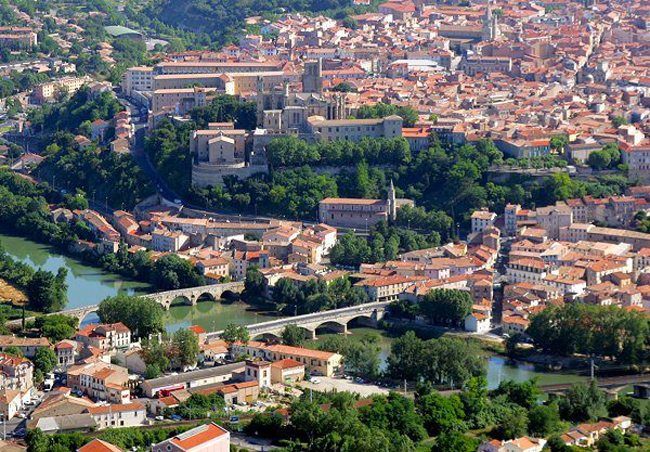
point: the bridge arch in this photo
(179, 300)
(230, 295)
(333, 326)
(362, 319)
(206, 296)
(266, 337)
(88, 316)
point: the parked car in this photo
(160, 418)
(20, 433)
(175, 417)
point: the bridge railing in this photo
(307, 318)
(206, 288)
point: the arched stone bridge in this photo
(336, 319)
(191, 295)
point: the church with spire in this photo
(490, 30)
(361, 213)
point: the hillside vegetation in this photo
(223, 18)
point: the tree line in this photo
(607, 332)
(312, 296)
(46, 291)
(337, 421)
(292, 152)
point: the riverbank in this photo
(9, 293)
(499, 368)
(87, 284)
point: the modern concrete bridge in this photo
(336, 319)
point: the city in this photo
(332, 225)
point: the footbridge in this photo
(336, 320)
(191, 295)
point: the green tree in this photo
(558, 142)
(294, 336)
(173, 272)
(154, 354)
(186, 347)
(393, 412)
(544, 420)
(44, 359)
(14, 351)
(582, 403)
(618, 121)
(46, 292)
(524, 394)
(254, 284)
(454, 441)
(448, 306)
(514, 425)
(56, 327)
(599, 160)
(143, 316)
(441, 414)
(235, 333)
(406, 357)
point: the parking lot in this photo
(341, 384)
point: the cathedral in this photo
(279, 110)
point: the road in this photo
(137, 150)
(142, 159)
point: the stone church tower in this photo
(490, 24)
(391, 202)
(312, 78)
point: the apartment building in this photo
(526, 270)
(205, 438)
(481, 220)
(172, 241)
(352, 212)
(98, 225)
(209, 67)
(46, 92)
(66, 352)
(180, 100)
(107, 336)
(18, 38)
(132, 414)
(484, 64)
(27, 345)
(15, 373)
(220, 143)
(287, 371)
(100, 381)
(387, 288)
(522, 444)
(638, 160)
(234, 84)
(589, 232)
(316, 362)
(355, 129)
(139, 78)
(552, 218)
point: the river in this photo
(89, 285)
(498, 368)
